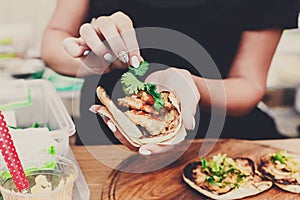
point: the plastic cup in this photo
(56, 177)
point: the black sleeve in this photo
(262, 14)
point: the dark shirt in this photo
(216, 25)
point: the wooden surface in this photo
(96, 173)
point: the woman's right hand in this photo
(108, 42)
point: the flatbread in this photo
(248, 188)
(282, 179)
(289, 188)
(130, 131)
(245, 190)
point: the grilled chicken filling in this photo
(281, 168)
(221, 174)
(141, 112)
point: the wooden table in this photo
(96, 172)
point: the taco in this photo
(283, 169)
(222, 177)
(151, 116)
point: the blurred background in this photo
(21, 28)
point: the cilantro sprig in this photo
(131, 85)
(158, 101)
(141, 70)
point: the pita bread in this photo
(281, 178)
(250, 187)
(130, 131)
(289, 188)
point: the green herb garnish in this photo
(158, 101)
(280, 156)
(131, 85)
(204, 163)
(210, 180)
(219, 168)
(141, 70)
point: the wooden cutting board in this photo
(167, 182)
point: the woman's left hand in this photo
(180, 82)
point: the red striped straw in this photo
(11, 157)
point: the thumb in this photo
(188, 117)
(149, 149)
(74, 46)
(154, 77)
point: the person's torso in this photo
(210, 23)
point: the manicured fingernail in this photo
(123, 56)
(135, 62)
(108, 57)
(111, 126)
(86, 52)
(92, 110)
(145, 152)
(93, 20)
(193, 123)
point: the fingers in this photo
(92, 40)
(125, 27)
(149, 149)
(108, 37)
(185, 87)
(108, 29)
(75, 46)
(181, 83)
(112, 127)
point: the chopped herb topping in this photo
(158, 101)
(280, 156)
(131, 85)
(222, 171)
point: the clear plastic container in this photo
(45, 107)
(53, 182)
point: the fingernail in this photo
(135, 62)
(86, 52)
(111, 126)
(93, 20)
(92, 109)
(193, 123)
(145, 152)
(123, 56)
(108, 57)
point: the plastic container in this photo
(53, 182)
(44, 106)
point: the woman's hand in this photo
(182, 84)
(147, 149)
(111, 40)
